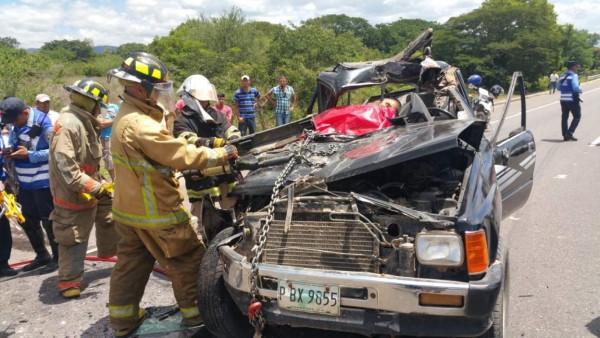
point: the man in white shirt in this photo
(42, 103)
(553, 82)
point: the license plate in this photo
(309, 297)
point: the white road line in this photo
(540, 107)
(595, 143)
(560, 177)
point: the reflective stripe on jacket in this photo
(568, 84)
(32, 172)
(75, 154)
(145, 155)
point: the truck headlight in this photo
(439, 248)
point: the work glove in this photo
(232, 152)
(104, 191)
(190, 137)
(210, 142)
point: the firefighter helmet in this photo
(90, 89)
(141, 67)
(199, 87)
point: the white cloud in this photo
(582, 14)
(34, 22)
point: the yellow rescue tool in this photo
(10, 207)
(110, 188)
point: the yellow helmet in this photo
(90, 89)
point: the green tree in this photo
(9, 42)
(391, 38)
(302, 52)
(500, 37)
(21, 73)
(577, 45)
(596, 64)
(127, 48)
(68, 50)
(341, 23)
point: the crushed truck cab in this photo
(390, 230)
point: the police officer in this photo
(568, 85)
(29, 143)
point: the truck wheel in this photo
(500, 313)
(218, 310)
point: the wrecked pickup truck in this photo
(376, 220)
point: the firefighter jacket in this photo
(145, 155)
(190, 122)
(75, 154)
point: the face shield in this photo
(164, 95)
(192, 103)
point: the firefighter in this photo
(201, 125)
(147, 206)
(81, 196)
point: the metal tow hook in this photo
(253, 312)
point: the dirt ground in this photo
(32, 307)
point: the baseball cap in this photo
(42, 98)
(572, 63)
(11, 108)
(245, 77)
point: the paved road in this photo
(553, 243)
(554, 239)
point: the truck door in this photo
(515, 155)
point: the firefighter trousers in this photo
(72, 231)
(177, 249)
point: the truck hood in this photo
(370, 152)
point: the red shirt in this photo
(226, 110)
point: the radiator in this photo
(314, 241)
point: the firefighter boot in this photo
(36, 238)
(128, 331)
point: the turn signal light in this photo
(476, 252)
(432, 299)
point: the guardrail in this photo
(593, 77)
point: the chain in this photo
(255, 315)
(333, 148)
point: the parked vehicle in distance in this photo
(483, 103)
(380, 215)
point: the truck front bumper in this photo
(391, 305)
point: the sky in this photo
(115, 22)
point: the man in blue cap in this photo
(29, 143)
(568, 85)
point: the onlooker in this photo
(5, 234)
(42, 103)
(107, 115)
(553, 81)
(81, 196)
(569, 100)
(204, 126)
(245, 99)
(147, 206)
(284, 102)
(223, 108)
(29, 143)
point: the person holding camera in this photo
(29, 143)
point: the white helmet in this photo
(199, 87)
(194, 89)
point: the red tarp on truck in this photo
(354, 120)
